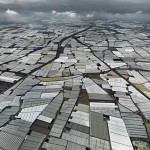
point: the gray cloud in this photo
(76, 9)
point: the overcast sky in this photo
(74, 9)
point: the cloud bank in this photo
(73, 10)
